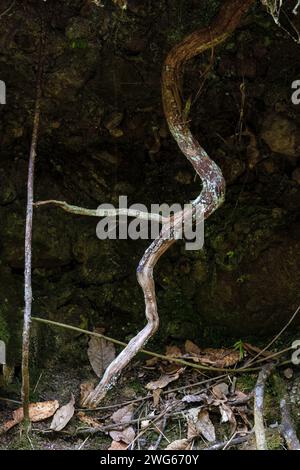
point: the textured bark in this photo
(260, 435)
(213, 184)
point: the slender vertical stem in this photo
(259, 391)
(28, 238)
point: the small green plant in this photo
(239, 346)
(79, 44)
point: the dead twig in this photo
(161, 434)
(259, 429)
(7, 10)
(275, 338)
(287, 427)
(231, 442)
(28, 237)
(150, 425)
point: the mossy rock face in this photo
(104, 62)
(10, 316)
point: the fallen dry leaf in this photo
(101, 353)
(180, 444)
(117, 446)
(173, 351)
(239, 395)
(156, 396)
(164, 380)
(199, 423)
(151, 362)
(123, 415)
(37, 412)
(63, 415)
(195, 398)
(127, 435)
(92, 423)
(222, 357)
(227, 416)
(191, 348)
(220, 390)
(85, 389)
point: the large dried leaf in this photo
(164, 380)
(37, 412)
(63, 415)
(127, 435)
(199, 423)
(205, 426)
(101, 353)
(123, 415)
(180, 444)
(118, 446)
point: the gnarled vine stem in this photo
(213, 183)
(213, 189)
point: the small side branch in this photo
(104, 212)
(259, 429)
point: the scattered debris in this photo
(222, 357)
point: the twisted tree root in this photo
(213, 183)
(213, 190)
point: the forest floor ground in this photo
(155, 405)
